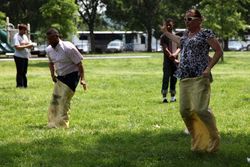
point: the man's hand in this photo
(54, 79)
(84, 84)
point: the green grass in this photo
(120, 121)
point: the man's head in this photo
(53, 37)
(169, 23)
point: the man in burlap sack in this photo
(66, 68)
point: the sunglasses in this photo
(190, 18)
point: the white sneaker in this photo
(164, 100)
(173, 99)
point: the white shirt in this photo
(65, 57)
(18, 40)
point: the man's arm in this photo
(82, 78)
(52, 71)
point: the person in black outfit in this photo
(170, 62)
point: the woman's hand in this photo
(206, 72)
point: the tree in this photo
(136, 15)
(147, 14)
(89, 11)
(60, 14)
(176, 10)
(224, 17)
(25, 11)
(2, 20)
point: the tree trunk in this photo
(149, 40)
(226, 45)
(222, 44)
(92, 39)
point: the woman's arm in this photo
(218, 52)
(171, 36)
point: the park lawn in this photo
(120, 121)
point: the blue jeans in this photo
(21, 71)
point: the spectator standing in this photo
(170, 62)
(22, 47)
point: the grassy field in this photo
(120, 121)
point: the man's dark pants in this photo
(21, 71)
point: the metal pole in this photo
(7, 29)
(28, 25)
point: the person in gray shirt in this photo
(22, 47)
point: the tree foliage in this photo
(177, 9)
(136, 14)
(60, 14)
(147, 15)
(24, 11)
(227, 18)
(2, 20)
(89, 11)
(224, 17)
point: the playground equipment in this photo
(6, 38)
(4, 45)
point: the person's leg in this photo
(206, 116)
(25, 68)
(186, 104)
(19, 80)
(194, 101)
(165, 81)
(63, 92)
(59, 108)
(173, 81)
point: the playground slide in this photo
(4, 45)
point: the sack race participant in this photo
(194, 72)
(66, 70)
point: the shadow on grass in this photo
(123, 149)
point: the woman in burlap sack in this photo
(194, 72)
